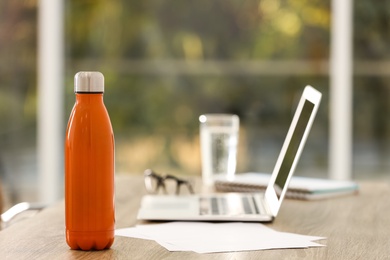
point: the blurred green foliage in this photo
(103, 35)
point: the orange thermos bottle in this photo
(89, 168)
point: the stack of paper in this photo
(204, 237)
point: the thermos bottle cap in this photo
(89, 81)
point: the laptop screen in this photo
(292, 149)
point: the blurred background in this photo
(167, 62)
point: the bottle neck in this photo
(88, 93)
(89, 96)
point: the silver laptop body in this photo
(262, 207)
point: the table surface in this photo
(356, 227)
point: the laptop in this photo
(261, 207)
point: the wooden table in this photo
(356, 227)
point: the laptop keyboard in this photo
(218, 206)
(229, 206)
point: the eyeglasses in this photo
(168, 183)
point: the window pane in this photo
(371, 89)
(18, 37)
(168, 62)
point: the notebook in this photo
(262, 207)
(304, 188)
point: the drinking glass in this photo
(218, 141)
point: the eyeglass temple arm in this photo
(180, 182)
(190, 188)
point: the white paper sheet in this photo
(202, 237)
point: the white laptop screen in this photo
(292, 150)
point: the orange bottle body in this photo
(89, 175)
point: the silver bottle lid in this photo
(89, 81)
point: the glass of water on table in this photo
(218, 141)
